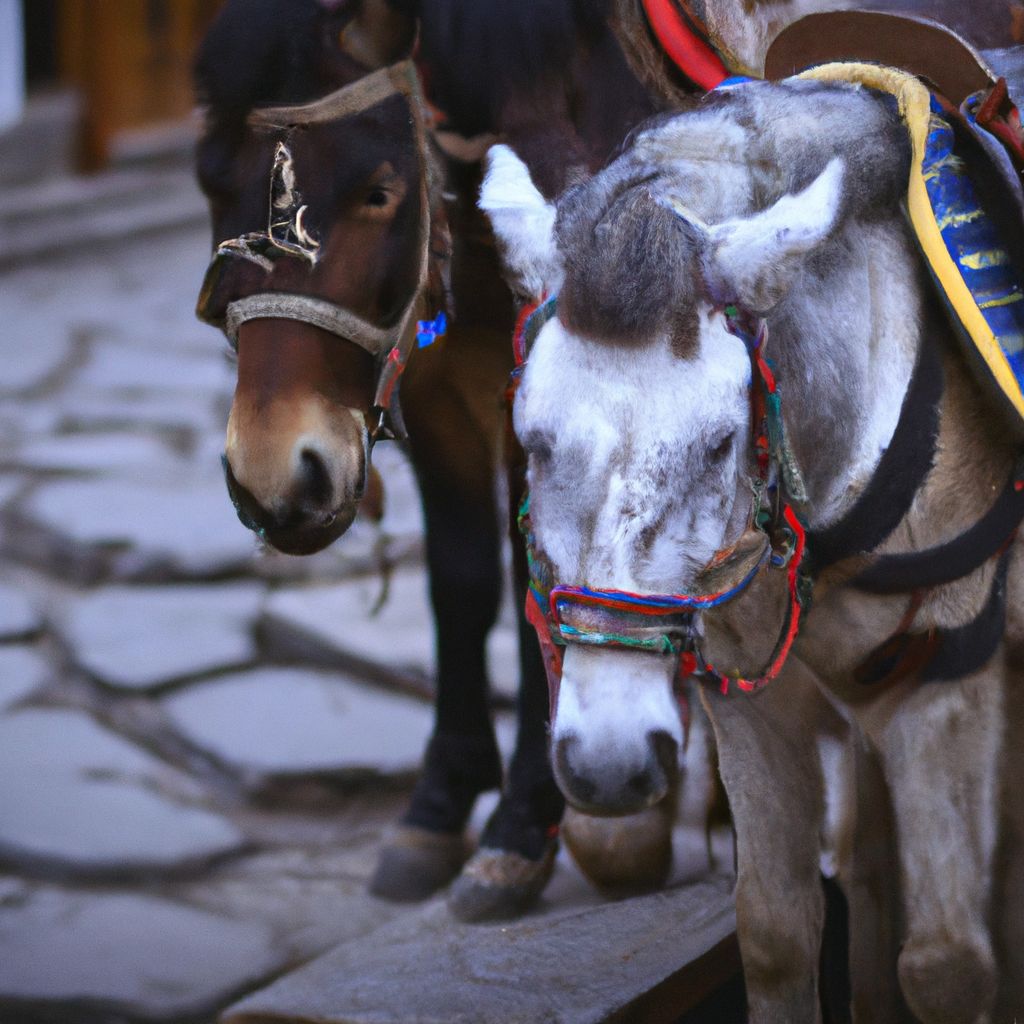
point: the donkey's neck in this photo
(845, 342)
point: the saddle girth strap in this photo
(896, 574)
(898, 477)
(940, 655)
(964, 650)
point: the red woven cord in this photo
(691, 54)
(393, 369)
(550, 652)
(518, 345)
(770, 673)
(998, 115)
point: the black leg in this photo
(462, 758)
(531, 805)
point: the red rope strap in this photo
(792, 626)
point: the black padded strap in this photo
(896, 574)
(899, 475)
(968, 648)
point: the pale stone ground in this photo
(201, 743)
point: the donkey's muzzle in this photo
(618, 784)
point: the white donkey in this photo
(774, 209)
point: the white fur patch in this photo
(610, 701)
(523, 222)
(616, 437)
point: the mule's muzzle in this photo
(618, 785)
(305, 524)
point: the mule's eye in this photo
(377, 197)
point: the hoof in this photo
(622, 856)
(947, 983)
(496, 884)
(414, 863)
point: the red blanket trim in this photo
(691, 54)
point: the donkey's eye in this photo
(378, 197)
(722, 448)
(537, 446)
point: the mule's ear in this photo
(378, 35)
(752, 261)
(523, 222)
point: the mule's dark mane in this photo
(260, 51)
(478, 52)
(481, 52)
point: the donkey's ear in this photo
(523, 222)
(752, 261)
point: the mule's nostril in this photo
(313, 484)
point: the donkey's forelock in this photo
(631, 265)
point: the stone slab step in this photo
(37, 220)
(649, 958)
(76, 956)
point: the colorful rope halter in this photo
(662, 623)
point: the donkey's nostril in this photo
(666, 754)
(313, 482)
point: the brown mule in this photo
(324, 201)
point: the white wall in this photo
(12, 63)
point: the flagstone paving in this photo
(149, 957)
(144, 636)
(78, 799)
(22, 670)
(202, 743)
(285, 721)
(18, 616)
(399, 633)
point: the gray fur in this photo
(630, 264)
(633, 268)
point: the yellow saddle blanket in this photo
(964, 249)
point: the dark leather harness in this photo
(936, 654)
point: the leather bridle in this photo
(286, 237)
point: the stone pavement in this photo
(201, 743)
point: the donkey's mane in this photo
(630, 263)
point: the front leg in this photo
(518, 846)
(462, 760)
(941, 751)
(769, 764)
(452, 408)
(868, 874)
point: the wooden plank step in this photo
(649, 958)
